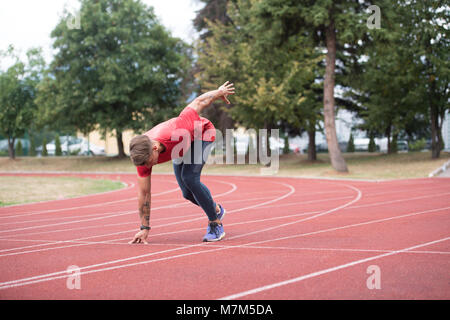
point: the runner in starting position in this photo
(168, 141)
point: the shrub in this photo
(58, 151)
(19, 149)
(351, 144)
(44, 148)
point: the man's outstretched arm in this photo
(204, 100)
(144, 200)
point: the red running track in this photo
(286, 238)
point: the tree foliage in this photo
(402, 85)
(120, 70)
(17, 93)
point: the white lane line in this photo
(231, 225)
(16, 282)
(185, 216)
(131, 186)
(357, 198)
(41, 278)
(164, 225)
(371, 204)
(108, 242)
(232, 201)
(163, 258)
(233, 188)
(128, 186)
(227, 201)
(325, 271)
(104, 217)
(120, 213)
(32, 213)
(51, 242)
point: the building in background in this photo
(109, 143)
(446, 131)
(345, 124)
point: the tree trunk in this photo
(393, 148)
(267, 151)
(312, 155)
(337, 160)
(435, 136)
(388, 135)
(120, 144)
(437, 141)
(11, 150)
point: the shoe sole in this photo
(215, 240)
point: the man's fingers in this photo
(230, 88)
(135, 240)
(138, 240)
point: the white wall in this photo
(446, 131)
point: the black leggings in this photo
(187, 171)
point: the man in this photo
(181, 139)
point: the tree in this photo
(351, 144)
(427, 34)
(333, 28)
(275, 80)
(120, 70)
(214, 11)
(44, 148)
(338, 26)
(402, 84)
(17, 94)
(372, 145)
(32, 150)
(286, 149)
(19, 149)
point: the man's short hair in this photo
(140, 150)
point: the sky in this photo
(28, 23)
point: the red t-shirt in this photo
(178, 133)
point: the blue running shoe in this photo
(214, 232)
(221, 213)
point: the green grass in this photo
(361, 165)
(12, 190)
(374, 166)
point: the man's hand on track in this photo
(140, 237)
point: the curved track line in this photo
(50, 242)
(44, 277)
(359, 195)
(189, 254)
(233, 188)
(328, 270)
(194, 229)
(85, 206)
(120, 213)
(74, 240)
(127, 187)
